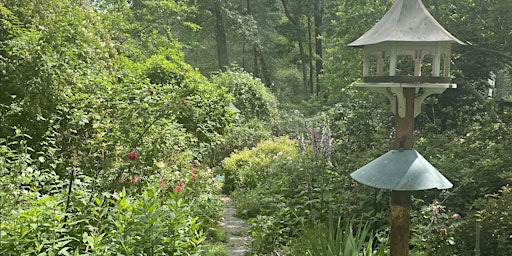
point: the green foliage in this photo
(244, 169)
(44, 63)
(218, 234)
(86, 134)
(38, 227)
(101, 117)
(146, 217)
(434, 230)
(147, 224)
(143, 28)
(241, 136)
(215, 250)
(250, 95)
(492, 214)
(287, 193)
(336, 240)
(361, 123)
(475, 161)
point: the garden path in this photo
(236, 230)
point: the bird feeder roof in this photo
(401, 170)
(406, 21)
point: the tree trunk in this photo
(311, 57)
(220, 37)
(256, 71)
(299, 37)
(319, 65)
(247, 12)
(304, 68)
(265, 73)
(500, 84)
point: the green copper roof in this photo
(404, 170)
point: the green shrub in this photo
(493, 214)
(217, 234)
(150, 224)
(244, 169)
(251, 97)
(215, 250)
(243, 135)
(434, 229)
(280, 195)
(148, 214)
(338, 239)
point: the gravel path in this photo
(235, 229)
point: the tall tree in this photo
(310, 52)
(142, 28)
(299, 37)
(220, 35)
(318, 9)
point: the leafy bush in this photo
(283, 194)
(147, 217)
(244, 169)
(492, 214)
(334, 239)
(434, 229)
(243, 135)
(251, 96)
(476, 161)
(147, 224)
(215, 250)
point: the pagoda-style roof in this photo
(406, 21)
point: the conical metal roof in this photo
(404, 170)
(406, 21)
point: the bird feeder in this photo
(406, 40)
(407, 57)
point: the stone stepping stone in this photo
(236, 230)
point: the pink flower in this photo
(133, 156)
(197, 162)
(180, 187)
(162, 182)
(435, 211)
(134, 179)
(456, 216)
(193, 169)
(194, 176)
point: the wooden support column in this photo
(401, 200)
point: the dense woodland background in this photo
(119, 118)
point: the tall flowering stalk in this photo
(313, 140)
(326, 143)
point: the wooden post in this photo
(477, 238)
(401, 200)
